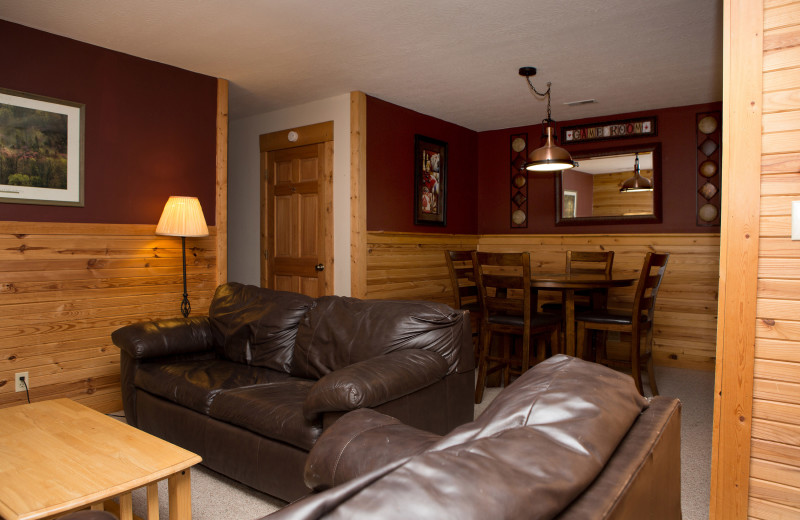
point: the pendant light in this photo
(637, 182)
(549, 157)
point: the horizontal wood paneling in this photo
(64, 288)
(775, 447)
(412, 266)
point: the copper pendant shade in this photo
(637, 182)
(550, 157)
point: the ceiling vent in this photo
(581, 102)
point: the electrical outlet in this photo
(18, 384)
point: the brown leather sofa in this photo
(569, 439)
(252, 386)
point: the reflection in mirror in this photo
(590, 192)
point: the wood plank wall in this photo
(65, 287)
(608, 200)
(775, 442)
(412, 266)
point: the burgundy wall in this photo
(390, 169)
(150, 129)
(677, 135)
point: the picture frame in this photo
(569, 204)
(430, 181)
(41, 150)
(621, 129)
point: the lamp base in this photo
(186, 307)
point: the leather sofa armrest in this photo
(374, 381)
(167, 337)
(338, 455)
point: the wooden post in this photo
(358, 194)
(741, 167)
(222, 181)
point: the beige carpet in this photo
(215, 497)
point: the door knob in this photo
(319, 267)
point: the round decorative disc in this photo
(708, 190)
(518, 144)
(707, 212)
(707, 125)
(519, 180)
(708, 147)
(518, 163)
(518, 217)
(708, 168)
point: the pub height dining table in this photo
(568, 284)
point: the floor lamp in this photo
(183, 217)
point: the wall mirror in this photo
(590, 192)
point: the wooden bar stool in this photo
(465, 292)
(504, 286)
(635, 322)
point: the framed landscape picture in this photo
(41, 150)
(430, 181)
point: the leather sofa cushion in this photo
(195, 384)
(339, 331)
(273, 410)
(534, 449)
(256, 326)
(339, 457)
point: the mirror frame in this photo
(621, 219)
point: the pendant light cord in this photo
(545, 94)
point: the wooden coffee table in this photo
(58, 456)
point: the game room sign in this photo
(613, 130)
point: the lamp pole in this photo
(186, 307)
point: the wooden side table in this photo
(57, 456)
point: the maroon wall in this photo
(677, 134)
(390, 169)
(150, 129)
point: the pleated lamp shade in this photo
(182, 217)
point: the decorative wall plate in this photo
(708, 212)
(708, 168)
(520, 180)
(707, 190)
(518, 144)
(518, 217)
(707, 125)
(708, 147)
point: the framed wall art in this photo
(430, 181)
(41, 150)
(569, 204)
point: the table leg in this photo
(125, 507)
(569, 321)
(180, 496)
(152, 501)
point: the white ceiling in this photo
(453, 59)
